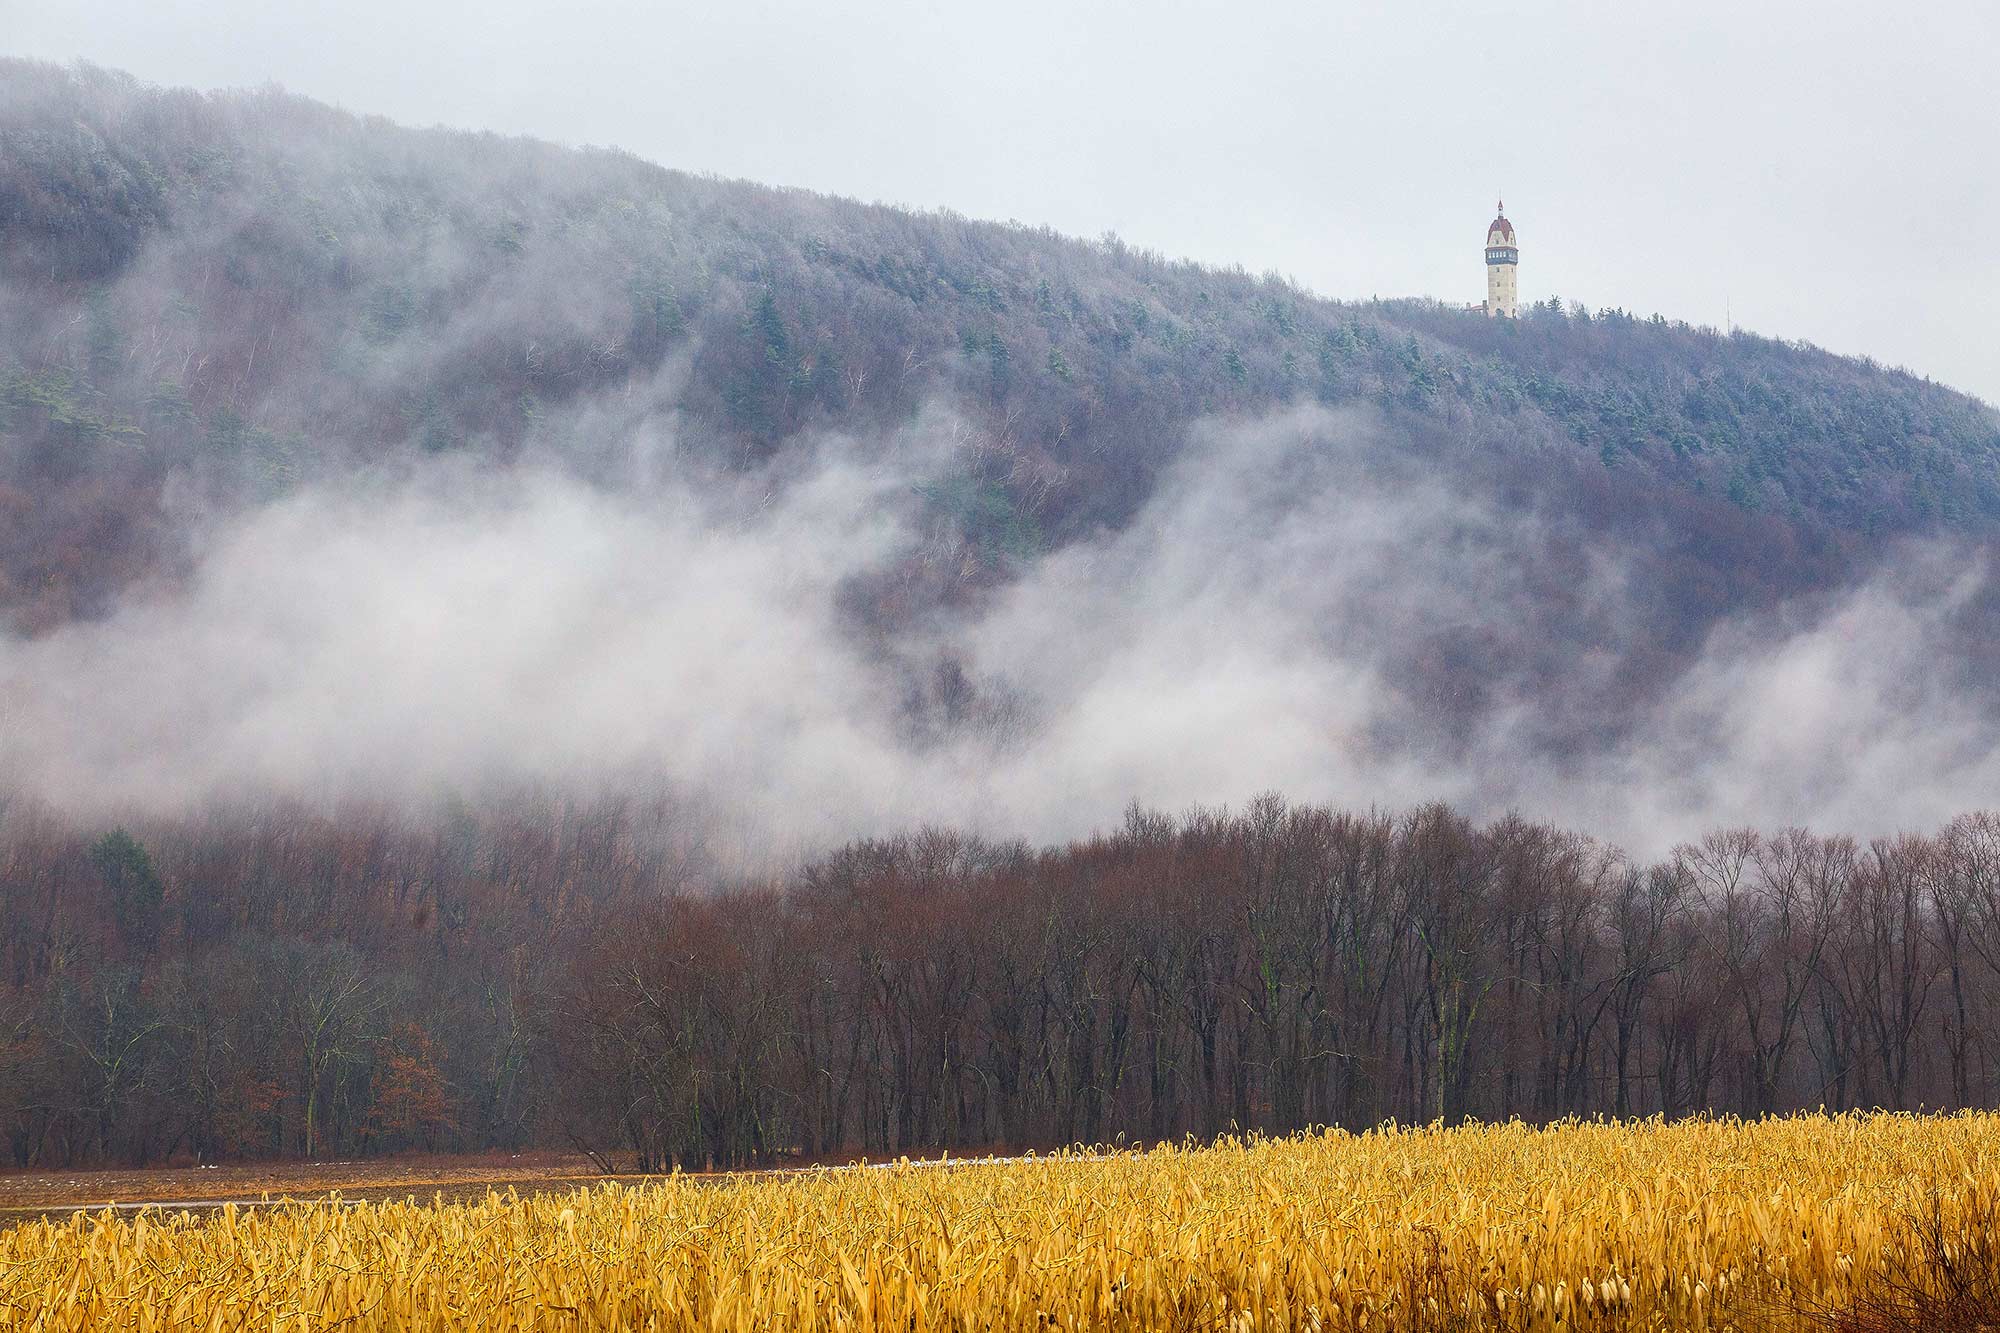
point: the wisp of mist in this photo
(455, 630)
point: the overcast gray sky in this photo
(1827, 171)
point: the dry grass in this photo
(1940, 1274)
(1700, 1225)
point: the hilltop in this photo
(217, 301)
(255, 290)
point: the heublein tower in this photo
(1502, 258)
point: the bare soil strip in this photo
(55, 1196)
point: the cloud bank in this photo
(1263, 624)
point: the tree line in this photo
(568, 975)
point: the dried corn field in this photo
(1693, 1225)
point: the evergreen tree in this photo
(138, 898)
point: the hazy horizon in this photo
(1709, 164)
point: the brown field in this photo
(28, 1194)
(453, 1178)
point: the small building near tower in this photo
(1503, 257)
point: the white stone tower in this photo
(1502, 258)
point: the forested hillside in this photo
(478, 620)
(252, 290)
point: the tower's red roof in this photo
(1501, 224)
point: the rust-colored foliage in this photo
(411, 1102)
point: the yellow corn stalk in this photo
(1695, 1225)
